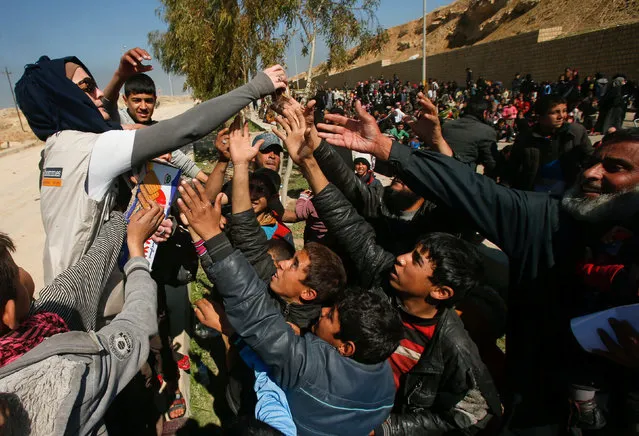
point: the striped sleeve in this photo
(75, 294)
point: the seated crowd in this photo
(389, 320)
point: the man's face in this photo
(88, 85)
(269, 158)
(287, 280)
(360, 169)
(398, 197)
(609, 188)
(399, 186)
(554, 118)
(400, 127)
(411, 274)
(140, 106)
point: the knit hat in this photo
(362, 160)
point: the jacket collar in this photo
(563, 131)
(302, 315)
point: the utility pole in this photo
(7, 73)
(424, 48)
(297, 79)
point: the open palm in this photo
(361, 135)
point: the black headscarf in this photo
(52, 103)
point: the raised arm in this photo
(245, 232)
(117, 151)
(506, 217)
(365, 198)
(130, 64)
(203, 118)
(215, 183)
(253, 314)
(427, 126)
(340, 217)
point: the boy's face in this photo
(15, 311)
(259, 205)
(554, 118)
(140, 106)
(360, 169)
(327, 326)
(287, 280)
(412, 273)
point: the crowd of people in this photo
(388, 320)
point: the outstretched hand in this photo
(196, 209)
(427, 126)
(278, 76)
(293, 124)
(361, 135)
(625, 350)
(240, 148)
(131, 63)
(310, 134)
(222, 145)
(142, 225)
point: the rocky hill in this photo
(467, 22)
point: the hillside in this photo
(468, 22)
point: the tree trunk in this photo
(309, 74)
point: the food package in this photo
(157, 182)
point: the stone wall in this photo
(608, 51)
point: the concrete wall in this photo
(608, 51)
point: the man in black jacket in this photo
(442, 383)
(560, 254)
(549, 156)
(472, 140)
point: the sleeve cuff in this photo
(322, 150)
(262, 84)
(219, 247)
(136, 263)
(383, 429)
(399, 153)
(242, 217)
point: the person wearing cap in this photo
(85, 151)
(270, 152)
(366, 175)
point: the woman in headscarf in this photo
(85, 152)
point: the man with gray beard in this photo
(567, 258)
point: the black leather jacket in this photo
(395, 234)
(450, 389)
(328, 394)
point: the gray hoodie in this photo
(65, 384)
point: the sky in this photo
(98, 33)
